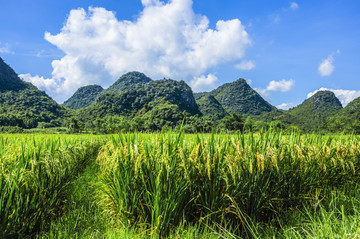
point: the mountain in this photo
(211, 108)
(347, 120)
(86, 95)
(23, 105)
(10, 81)
(131, 101)
(238, 97)
(352, 109)
(83, 97)
(127, 81)
(312, 113)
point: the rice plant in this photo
(35, 173)
(157, 182)
(171, 185)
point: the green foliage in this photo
(238, 97)
(194, 124)
(83, 97)
(9, 80)
(161, 114)
(74, 125)
(28, 107)
(234, 122)
(347, 120)
(34, 177)
(130, 102)
(312, 114)
(136, 103)
(245, 183)
(168, 185)
(11, 129)
(128, 81)
(210, 108)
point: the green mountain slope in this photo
(23, 105)
(10, 81)
(127, 81)
(352, 109)
(347, 120)
(28, 107)
(211, 108)
(83, 97)
(313, 112)
(238, 97)
(131, 101)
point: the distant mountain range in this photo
(135, 94)
(23, 105)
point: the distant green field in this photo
(175, 185)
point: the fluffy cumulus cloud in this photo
(281, 86)
(345, 96)
(203, 83)
(40, 82)
(326, 67)
(245, 65)
(166, 40)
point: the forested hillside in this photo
(312, 114)
(22, 105)
(238, 97)
(10, 81)
(83, 97)
(137, 103)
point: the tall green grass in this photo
(171, 185)
(232, 182)
(35, 172)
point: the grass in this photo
(36, 172)
(241, 182)
(171, 185)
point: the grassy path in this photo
(82, 217)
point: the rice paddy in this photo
(174, 185)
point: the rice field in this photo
(174, 185)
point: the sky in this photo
(286, 50)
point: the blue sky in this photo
(286, 50)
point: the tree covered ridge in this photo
(238, 97)
(27, 108)
(83, 97)
(312, 114)
(128, 80)
(10, 81)
(137, 103)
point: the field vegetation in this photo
(176, 185)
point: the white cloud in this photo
(203, 83)
(40, 82)
(245, 65)
(166, 40)
(286, 106)
(294, 5)
(282, 86)
(345, 96)
(326, 67)
(5, 49)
